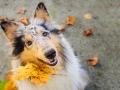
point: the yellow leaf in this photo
(38, 74)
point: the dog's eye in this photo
(45, 34)
(29, 43)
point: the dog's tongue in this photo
(53, 62)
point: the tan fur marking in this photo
(42, 14)
(39, 31)
(32, 55)
(29, 38)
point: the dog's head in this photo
(37, 42)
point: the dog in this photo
(41, 41)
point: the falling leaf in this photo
(24, 20)
(88, 32)
(21, 10)
(38, 74)
(88, 16)
(93, 61)
(70, 20)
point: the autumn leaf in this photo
(10, 86)
(38, 74)
(93, 61)
(24, 20)
(70, 20)
(88, 32)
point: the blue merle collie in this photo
(41, 41)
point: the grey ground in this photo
(104, 43)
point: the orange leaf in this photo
(10, 86)
(88, 32)
(70, 20)
(93, 61)
(24, 20)
(9, 76)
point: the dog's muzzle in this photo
(51, 56)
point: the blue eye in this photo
(45, 34)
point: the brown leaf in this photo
(88, 32)
(93, 61)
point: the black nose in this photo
(50, 54)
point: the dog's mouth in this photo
(52, 62)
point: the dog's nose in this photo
(50, 54)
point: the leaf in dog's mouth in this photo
(38, 74)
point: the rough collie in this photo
(41, 41)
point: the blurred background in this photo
(104, 43)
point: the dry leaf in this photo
(88, 32)
(38, 74)
(93, 61)
(9, 76)
(70, 20)
(3, 18)
(24, 20)
(21, 10)
(88, 16)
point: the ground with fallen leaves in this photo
(101, 16)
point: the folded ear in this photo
(41, 12)
(9, 29)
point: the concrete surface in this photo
(104, 43)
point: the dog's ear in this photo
(9, 29)
(41, 12)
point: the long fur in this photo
(76, 77)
